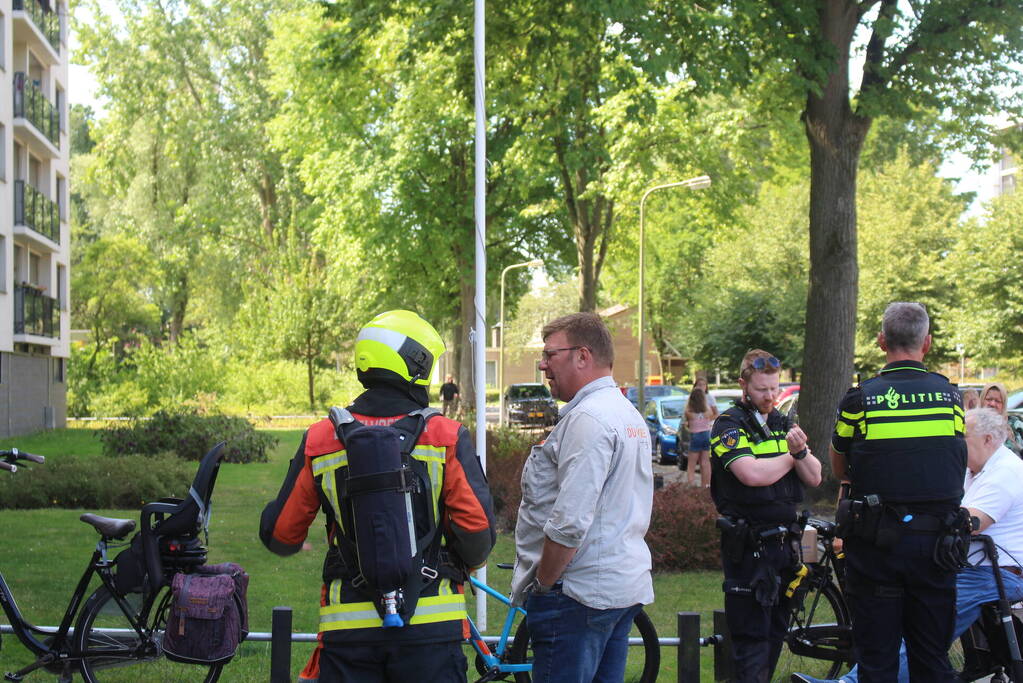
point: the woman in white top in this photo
(700, 414)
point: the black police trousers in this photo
(398, 662)
(757, 629)
(900, 594)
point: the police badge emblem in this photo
(730, 439)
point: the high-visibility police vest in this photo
(346, 614)
(907, 442)
(736, 434)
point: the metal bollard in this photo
(724, 664)
(658, 481)
(280, 645)
(688, 647)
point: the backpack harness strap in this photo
(432, 561)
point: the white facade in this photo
(35, 237)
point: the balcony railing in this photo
(35, 313)
(45, 20)
(30, 103)
(33, 209)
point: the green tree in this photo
(797, 56)
(985, 270)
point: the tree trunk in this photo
(311, 377)
(835, 135)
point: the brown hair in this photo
(584, 329)
(697, 401)
(746, 367)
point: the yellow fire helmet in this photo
(400, 342)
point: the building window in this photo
(34, 261)
(59, 103)
(491, 370)
(62, 287)
(58, 370)
(19, 275)
(62, 197)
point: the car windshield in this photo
(528, 391)
(673, 410)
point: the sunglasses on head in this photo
(760, 363)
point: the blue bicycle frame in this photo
(494, 659)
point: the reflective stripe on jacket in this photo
(461, 503)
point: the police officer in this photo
(899, 443)
(395, 355)
(760, 464)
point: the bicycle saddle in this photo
(108, 526)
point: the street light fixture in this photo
(697, 183)
(500, 364)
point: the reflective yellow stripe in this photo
(910, 430)
(844, 429)
(773, 446)
(911, 412)
(852, 417)
(331, 461)
(429, 610)
(430, 453)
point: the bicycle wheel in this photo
(819, 639)
(642, 665)
(103, 626)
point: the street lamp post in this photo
(697, 183)
(500, 363)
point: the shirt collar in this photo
(596, 385)
(904, 365)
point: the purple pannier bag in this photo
(208, 617)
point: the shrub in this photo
(682, 534)
(126, 482)
(190, 435)
(507, 450)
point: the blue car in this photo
(662, 416)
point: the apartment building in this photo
(35, 238)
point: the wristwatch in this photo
(800, 454)
(536, 587)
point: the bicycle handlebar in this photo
(12, 456)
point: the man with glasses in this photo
(760, 464)
(582, 566)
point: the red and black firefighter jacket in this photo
(464, 517)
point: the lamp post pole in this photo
(500, 363)
(697, 183)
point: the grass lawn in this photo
(44, 552)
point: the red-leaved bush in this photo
(682, 535)
(507, 450)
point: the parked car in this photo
(790, 406)
(654, 391)
(786, 391)
(724, 398)
(1015, 401)
(663, 415)
(529, 404)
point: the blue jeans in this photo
(974, 587)
(573, 643)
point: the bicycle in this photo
(990, 647)
(119, 629)
(516, 661)
(819, 638)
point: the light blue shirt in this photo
(590, 486)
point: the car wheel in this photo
(663, 456)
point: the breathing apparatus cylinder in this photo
(391, 617)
